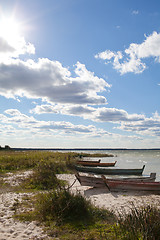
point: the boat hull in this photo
(136, 186)
(98, 182)
(96, 164)
(110, 171)
(90, 181)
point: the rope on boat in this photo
(72, 184)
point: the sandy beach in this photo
(116, 201)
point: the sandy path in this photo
(9, 227)
(12, 229)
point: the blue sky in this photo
(80, 73)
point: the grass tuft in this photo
(143, 223)
(62, 206)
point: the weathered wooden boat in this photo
(81, 162)
(96, 163)
(131, 185)
(110, 171)
(99, 182)
(90, 181)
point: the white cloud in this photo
(147, 126)
(135, 12)
(13, 49)
(30, 124)
(131, 60)
(137, 123)
(5, 46)
(51, 81)
(101, 114)
(45, 79)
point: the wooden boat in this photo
(90, 181)
(110, 171)
(81, 162)
(99, 182)
(131, 185)
(96, 163)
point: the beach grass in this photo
(140, 223)
(66, 215)
(20, 160)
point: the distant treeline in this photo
(6, 147)
(85, 149)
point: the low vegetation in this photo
(13, 161)
(69, 216)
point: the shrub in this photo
(62, 206)
(44, 176)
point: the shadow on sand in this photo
(96, 191)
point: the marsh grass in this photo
(13, 161)
(143, 223)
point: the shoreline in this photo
(114, 201)
(117, 202)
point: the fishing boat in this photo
(131, 185)
(110, 171)
(96, 163)
(99, 182)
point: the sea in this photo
(133, 159)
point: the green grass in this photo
(139, 224)
(13, 161)
(44, 176)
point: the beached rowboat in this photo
(131, 185)
(110, 171)
(99, 182)
(96, 163)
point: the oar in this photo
(104, 179)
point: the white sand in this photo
(9, 227)
(13, 229)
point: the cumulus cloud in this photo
(147, 126)
(45, 79)
(131, 59)
(29, 123)
(10, 48)
(50, 81)
(136, 123)
(5, 46)
(101, 114)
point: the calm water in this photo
(134, 159)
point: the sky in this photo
(80, 73)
